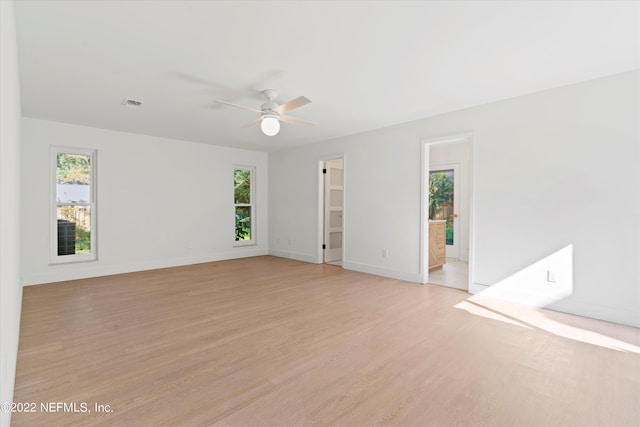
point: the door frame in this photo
(424, 201)
(320, 205)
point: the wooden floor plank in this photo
(275, 342)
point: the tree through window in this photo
(243, 192)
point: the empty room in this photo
(336, 213)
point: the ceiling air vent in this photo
(131, 103)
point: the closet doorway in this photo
(333, 210)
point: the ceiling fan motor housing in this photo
(268, 107)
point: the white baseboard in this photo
(295, 255)
(608, 314)
(624, 317)
(381, 271)
(86, 270)
(476, 288)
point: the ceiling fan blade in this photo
(252, 122)
(296, 121)
(292, 105)
(238, 106)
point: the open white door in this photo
(333, 208)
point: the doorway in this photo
(444, 203)
(333, 210)
(447, 184)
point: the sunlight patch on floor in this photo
(582, 329)
(489, 314)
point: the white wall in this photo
(547, 168)
(161, 202)
(10, 284)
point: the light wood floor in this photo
(275, 342)
(454, 274)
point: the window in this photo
(73, 226)
(243, 199)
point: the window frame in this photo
(54, 204)
(251, 205)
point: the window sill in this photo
(74, 260)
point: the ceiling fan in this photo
(272, 113)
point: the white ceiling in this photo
(365, 65)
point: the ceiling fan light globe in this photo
(270, 126)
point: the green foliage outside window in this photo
(439, 191)
(449, 232)
(83, 240)
(242, 186)
(243, 223)
(242, 197)
(73, 169)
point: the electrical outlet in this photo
(385, 253)
(552, 276)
